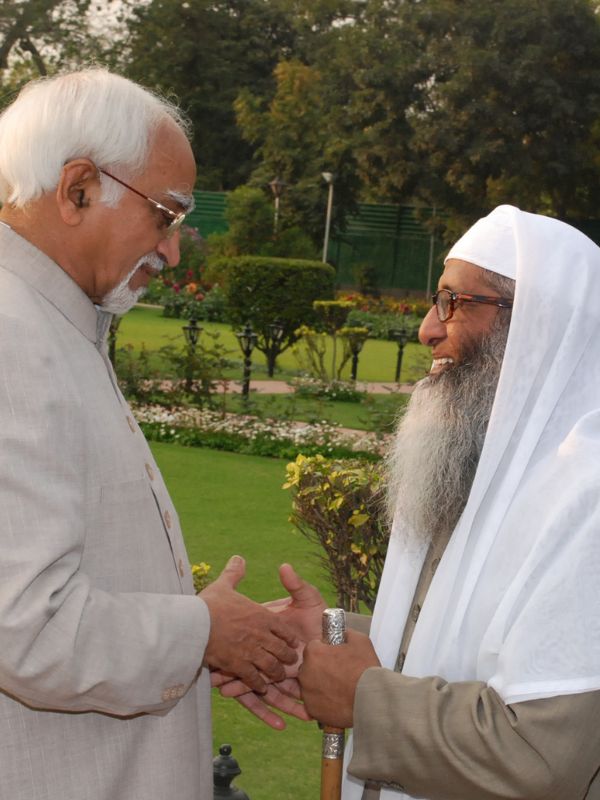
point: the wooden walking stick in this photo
(334, 632)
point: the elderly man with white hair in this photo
(104, 647)
(481, 675)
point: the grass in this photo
(374, 413)
(146, 326)
(229, 504)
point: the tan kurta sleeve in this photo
(459, 741)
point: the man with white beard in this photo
(480, 678)
(437, 446)
(104, 647)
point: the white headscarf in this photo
(515, 601)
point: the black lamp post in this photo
(400, 336)
(112, 338)
(277, 186)
(192, 332)
(355, 348)
(247, 340)
(225, 769)
(356, 341)
(276, 331)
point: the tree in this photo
(205, 52)
(264, 291)
(293, 140)
(251, 231)
(508, 111)
(463, 105)
(36, 36)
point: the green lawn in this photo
(146, 326)
(234, 504)
(374, 413)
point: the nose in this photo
(169, 249)
(432, 331)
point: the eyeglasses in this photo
(173, 220)
(445, 302)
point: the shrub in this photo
(385, 304)
(365, 277)
(200, 369)
(134, 373)
(380, 325)
(214, 306)
(264, 290)
(186, 304)
(311, 349)
(250, 219)
(188, 272)
(332, 314)
(337, 505)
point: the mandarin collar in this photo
(49, 279)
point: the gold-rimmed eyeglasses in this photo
(445, 302)
(173, 220)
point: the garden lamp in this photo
(356, 341)
(191, 332)
(225, 769)
(247, 339)
(276, 331)
(400, 336)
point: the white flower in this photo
(299, 433)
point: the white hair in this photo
(91, 114)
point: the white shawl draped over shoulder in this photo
(515, 601)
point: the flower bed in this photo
(253, 436)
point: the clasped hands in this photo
(273, 657)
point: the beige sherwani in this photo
(459, 741)
(101, 636)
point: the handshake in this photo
(270, 656)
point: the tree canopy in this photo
(453, 104)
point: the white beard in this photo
(433, 459)
(120, 299)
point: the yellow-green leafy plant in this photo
(310, 352)
(337, 504)
(332, 316)
(200, 575)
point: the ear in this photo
(78, 188)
